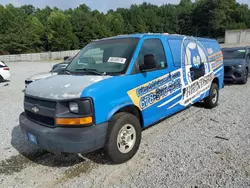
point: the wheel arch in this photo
(216, 81)
(129, 108)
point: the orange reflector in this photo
(74, 121)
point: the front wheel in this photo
(244, 80)
(212, 100)
(123, 138)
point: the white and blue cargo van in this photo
(115, 87)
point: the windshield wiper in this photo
(94, 71)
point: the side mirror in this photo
(149, 62)
(66, 57)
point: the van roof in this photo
(140, 35)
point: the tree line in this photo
(28, 29)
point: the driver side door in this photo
(156, 86)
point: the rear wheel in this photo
(123, 138)
(212, 100)
(1, 78)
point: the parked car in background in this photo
(58, 69)
(66, 61)
(4, 72)
(236, 62)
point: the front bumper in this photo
(233, 74)
(66, 140)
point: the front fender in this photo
(117, 108)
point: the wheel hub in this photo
(214, 99)
(126, 138)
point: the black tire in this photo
(115, 125)
(1, 79)
(244, 81)
(212, 100)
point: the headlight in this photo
(81, 107)
(73, 107)
(238, 66)
(75, 113)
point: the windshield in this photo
(110, 56)
(234, 53)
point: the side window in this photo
(175, 46)
(155, 47)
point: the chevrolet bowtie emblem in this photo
(35, 109)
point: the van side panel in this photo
(201, 62)
(193, 64)
(215, 58)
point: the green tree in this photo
(28, 9)
(185, 15)
(61, 36)
(115, 23)
(14, 27)
(34, 33)
(28, 29)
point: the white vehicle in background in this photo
(4, 72)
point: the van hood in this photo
(233, 62)
(61, 87)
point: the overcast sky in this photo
(101, 5)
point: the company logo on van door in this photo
(154, 91)
(196, 70)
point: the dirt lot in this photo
(194, 148)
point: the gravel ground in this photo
(194, 148)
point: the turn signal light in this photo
(74, 121)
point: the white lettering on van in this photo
(199, 86)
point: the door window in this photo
(155, 47)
